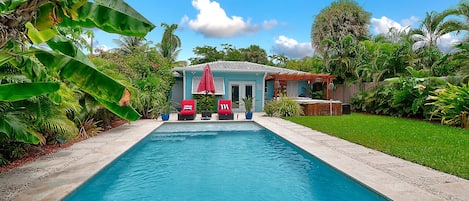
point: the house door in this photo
(238, 91)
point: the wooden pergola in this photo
(280, 80)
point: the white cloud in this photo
(446, 42)
(410, 21)
(269, 24)
(212, 21)
(291, 48)
(102, 48)
(383, 24)
(184, 20)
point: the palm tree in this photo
(254, 54)
(376, 57)
(170, 43)
(459, 60)
(432, 28)
(130, 44)
(342, 58)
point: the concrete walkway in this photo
(54, 176)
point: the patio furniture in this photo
(224, 110)
(188, 110)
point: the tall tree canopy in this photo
(170, 42)
(130, 44)
(341, 18)
(433, 27)
(253, 53)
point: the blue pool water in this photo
(203, 161)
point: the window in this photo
(219, 83)
(248, 91)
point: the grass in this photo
(440, 147)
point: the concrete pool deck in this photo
(55, 175)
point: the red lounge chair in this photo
(187, 110)
(224, 110)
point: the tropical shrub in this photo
(10, 150)
(205, 102)
(401, 97)
(450, 104)
(284, 107)
(375, 101)
(3, 160)
(410, 95)
(34, 43)
(271, 108)
(89, 128)
(248, 102)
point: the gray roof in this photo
(236, 66)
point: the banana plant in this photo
(66, 60)
(25, 26)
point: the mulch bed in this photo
(42, 150)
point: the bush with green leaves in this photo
(410, 95)
(205, 102)
(450, 103)
(375, 101)
(10, 150)
(271, 108)
(284, 107)
(401, 97)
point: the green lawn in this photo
(440, 147)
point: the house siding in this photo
(257, 78)
(242, 73)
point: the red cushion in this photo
(187, 112)
(187, 107)
(224, 107)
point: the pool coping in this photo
(54, 176)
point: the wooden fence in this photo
(345, 92)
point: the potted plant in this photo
(248, 101)
(207, 105)
(165, 110)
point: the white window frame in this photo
(219, 83)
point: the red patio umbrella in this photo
(206, 81)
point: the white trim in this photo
(219, 83)
(183, 84)
(263, 91)
(242, 87)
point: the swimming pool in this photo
(203, 161)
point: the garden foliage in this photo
(284, 107)
(404, 97)
(451, 104)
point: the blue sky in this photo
(279, 27)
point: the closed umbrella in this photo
(206, 84)
(206, 81)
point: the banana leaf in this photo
(4, 58)
(80, 71)
(124, 112)
(21, 91)
(39, 36)
(8, 6)
(111, 16)
(66, 46)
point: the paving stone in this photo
(458, 190)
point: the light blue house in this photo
(235, 80)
